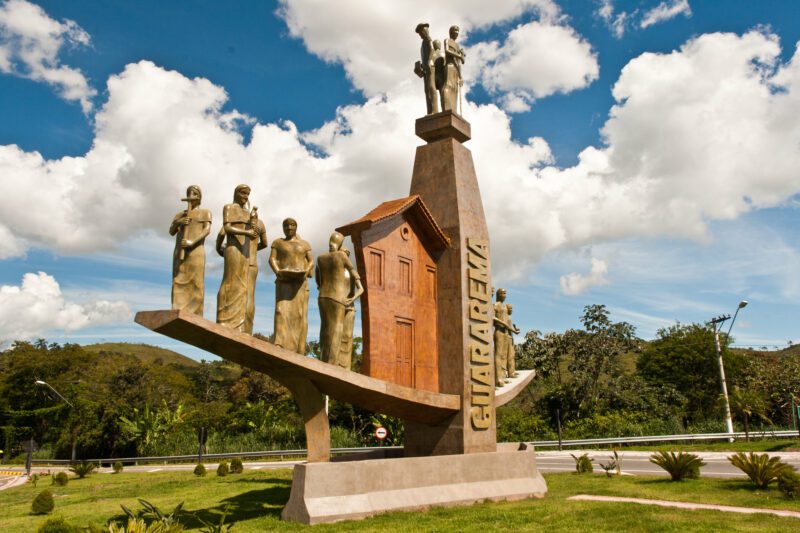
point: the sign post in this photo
(380, 434)
(202, 437)
(30, 447)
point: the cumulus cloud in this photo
(665, 11)
(30, 43)
(575, 283)
(706, 132)
(536, 60)
(37, 306)
(375, 41)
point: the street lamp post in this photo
(44, 384)
(717, 324)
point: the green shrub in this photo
(117, 466)
(236, 466)
(57, 525)
(153, 516)
(82, 468)
(680, 466)
(34, 480)
(583, 464)
(759, 467)
(200, 470)
(789, 483)
(222, 469)
(43, 503)
(60, 479)
(139, 525)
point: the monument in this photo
(429, 344)
(190, 228)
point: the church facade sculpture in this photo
(240, 238)
(292, 262)
(339, 285)
(190, 228)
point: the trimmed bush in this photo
(57, 525)
(759, 467)
(583, 464)
(60, 479)
(236, 466)
(789, 483)
(680, 466)
(200, 470)
(222, 469)
(43, 503)
(117, 466)
(82, 469)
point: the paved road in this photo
(638, 463)
(633, 463)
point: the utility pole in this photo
(717, 324)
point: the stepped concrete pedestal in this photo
(355, 489)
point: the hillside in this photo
(143, 352)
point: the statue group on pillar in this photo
(242, 235)
(440, 69)
(504, 331)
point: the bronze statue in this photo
(425, 68)
(501, 339)
(291, 260)
(239, 240)
(190, 228)
(339, 286)
(346, 350)
(454, 58)
(511, 363)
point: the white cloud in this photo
(375, 41)
(707, 132)
(30, 43)
(616, 22)
(665, 11)
(575, 283)
(536, 60)
(38, 306)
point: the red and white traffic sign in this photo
(380, 433)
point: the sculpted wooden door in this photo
(404, 351)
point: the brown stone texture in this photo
(332, 492)
(444, 176)
(511, 390)
(397, 246)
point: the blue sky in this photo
(642, 155)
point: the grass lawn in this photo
(255, 500)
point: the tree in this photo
(683, 356)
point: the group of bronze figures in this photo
(440, 69)
(242, 235)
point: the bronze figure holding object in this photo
(291, 260)
(425, 68)
(339, 286)
(242, 235)
(190, 228)
(454, 58)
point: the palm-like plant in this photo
(748, 403)
(583, 464)
(82, 469)
(759, 467)
(680, 466)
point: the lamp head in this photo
(742, 304)
(40, 382)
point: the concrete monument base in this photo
(355, 489)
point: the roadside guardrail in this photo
(281, 454)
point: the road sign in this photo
(380, 433)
